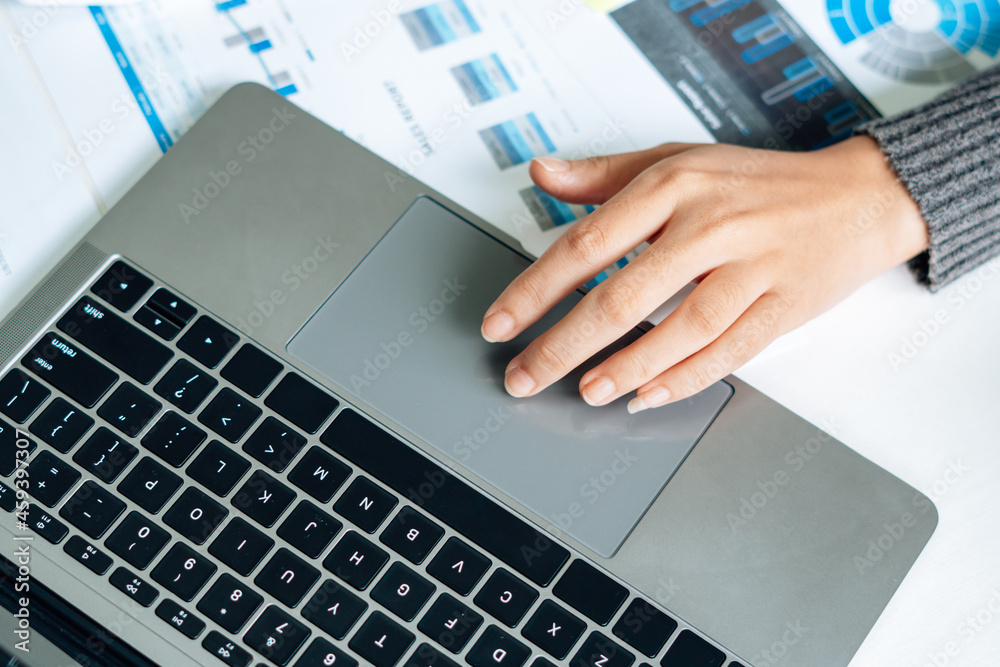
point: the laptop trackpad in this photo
(402, 334)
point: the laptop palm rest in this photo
(402, 335)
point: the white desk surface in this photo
(933, 418)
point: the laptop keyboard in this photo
(192, 472)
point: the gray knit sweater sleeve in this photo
(947, 153)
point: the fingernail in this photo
(552, 164)
(597, 390)
(518, 383)
(497, 326)
(651, 398)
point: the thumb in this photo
(594, 180)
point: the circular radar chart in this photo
(919, 41)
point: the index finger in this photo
(586, 249)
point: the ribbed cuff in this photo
(947, 154)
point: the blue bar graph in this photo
(517, 141)
(440, 23)
(484, 79)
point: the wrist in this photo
(887, 208)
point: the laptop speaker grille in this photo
(39, 307)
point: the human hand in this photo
(772, 238)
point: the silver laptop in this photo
(250, 419)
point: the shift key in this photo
(62, 363)
(116, 340)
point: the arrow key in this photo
(166, 303)
(208, 341)
(157, 323)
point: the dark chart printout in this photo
(748, 71)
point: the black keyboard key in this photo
(428, 656)
(450, 623)
(218, 467)
(590, 592)
(365, 504)
(458, 566)
(301, 402)
(263, 498)
(276, 635)
(20, 395)
(149, 485)
(402, 591)
(381, 641)
(600, 651)
(92, 558)
(287, 577)
(185, 385)
(553, 629)
(183, 571)
(322, 653)
(252, 370)
(208, 341)
(138, 589)
(411, 535)
(309, 529)
(334, 609)
(46, 525)
(105, 455)
(138, 540)
(70, 370)
(173, 438)
(543, 662)
(496, 648)
(121, 286)
(92, 509)
(355, 560)
(319, 474)
(128, 409)
(241, 546)
(156, 323)
(61, 425)
(451, 500)
(690, 650)
(274, 444)
(506, 597)
(225, 650)
(229, 414)
(230, 603)
(15, 446)
(180, 619)
(115, 340)
(8, 498)
(195, 515)
(50, 478)
(167, 303)
(644, 628)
